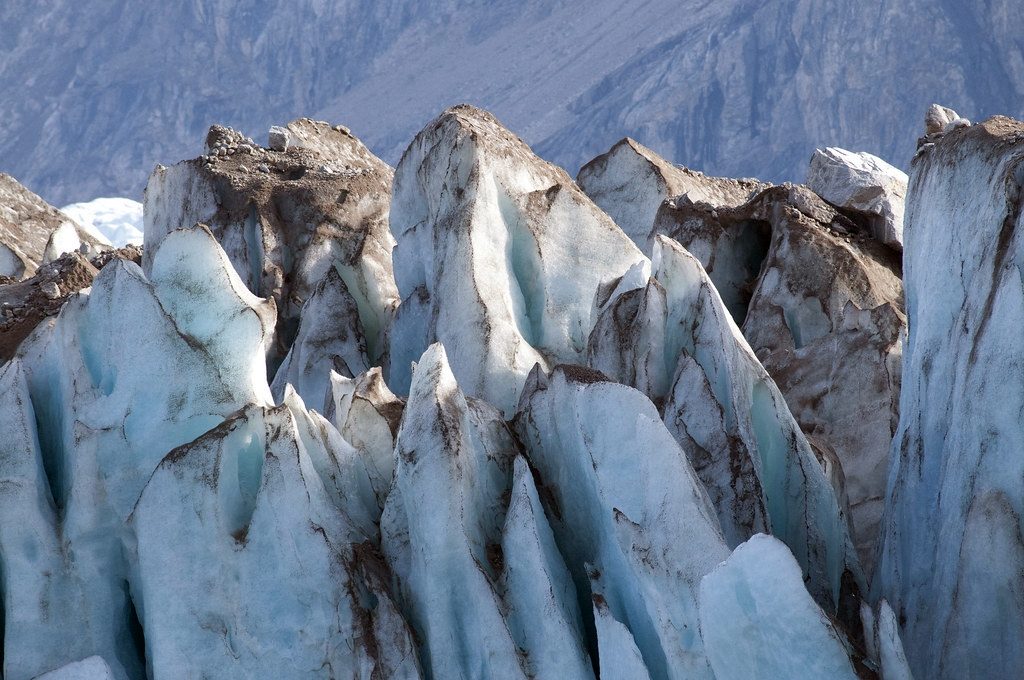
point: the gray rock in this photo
(864, 184)
(278, 138)
(937, 118)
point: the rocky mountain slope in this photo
(449, 420)
(737, 87)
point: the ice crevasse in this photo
(554, 457)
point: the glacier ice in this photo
(118, 220)
(487, 233)
(628, 512)
(101, 425)
(621, 660)
(882, 641)
(629, 182)
(557, 457)
(543, 611)
(758, 621)
(827, 320)
(30, 545)
(69, 238)
(93, 668)
(320, 205)
(951, 557)
(27, 303)
(367, 414)
(329, 338)
(474, 604)
(821, 304)
(730, 419)
(271, 557)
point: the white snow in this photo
(115, 220)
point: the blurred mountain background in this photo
(96, 94)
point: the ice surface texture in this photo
(951, 555)
(557, 458)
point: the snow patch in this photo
(115, 220)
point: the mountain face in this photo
(738, 87)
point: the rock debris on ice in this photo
(630, 182)
(647, 428)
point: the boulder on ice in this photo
(864, 185)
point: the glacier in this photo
(117, 220)
(472, 418)
(761, 579)
(819, 299)
(481, 257)
(721, 401)
(951, 549)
